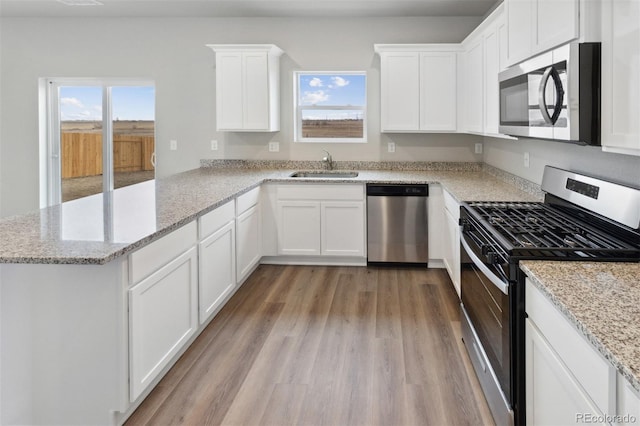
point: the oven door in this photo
(486, 326)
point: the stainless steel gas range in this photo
(581, 218)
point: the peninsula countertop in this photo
(602, 300)
(102, 227)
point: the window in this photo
(101, 136)
(330, 106)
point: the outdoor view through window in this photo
(331, 106)
(81, 137)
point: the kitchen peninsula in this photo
(88, 286)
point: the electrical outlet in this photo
(214, 145)
(478, 149)
(391, 147)
(526, 159)
(173, 145)
(274, 146)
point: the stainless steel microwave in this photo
(555, 95)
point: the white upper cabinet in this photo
(538, 25)
(438, 91)
(247, 87)
(418, 87)
(474, 84)
(484, 56)
(621, 76)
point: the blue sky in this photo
(128, 103)
(332, 89)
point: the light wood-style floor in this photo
(305, 345)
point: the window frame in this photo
(298, 109)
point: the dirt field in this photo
(120, 127)
(332, 128)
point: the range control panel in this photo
(590, 191)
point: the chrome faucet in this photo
(328, 160)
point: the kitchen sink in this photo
(323, 174)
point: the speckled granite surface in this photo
(98, 229)
(602, 299)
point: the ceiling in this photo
(248, 8)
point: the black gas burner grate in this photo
(536, 226)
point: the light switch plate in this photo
(214, 145)
(478, 148)
(274, 146)
(526, 159)
(173, 145)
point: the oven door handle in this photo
(495, 280)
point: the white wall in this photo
(172, 52)
(508, 155)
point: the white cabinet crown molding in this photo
(270, 49)
(417, 47)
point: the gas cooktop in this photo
(541, 230)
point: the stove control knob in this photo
(466, 226)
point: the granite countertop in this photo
(602, 299)
(100, 228)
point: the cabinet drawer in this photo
(216, 219)
(150, 258)
(451, 205)
(595, 374)
(247, 200)
(304, 191)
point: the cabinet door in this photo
(491, 68)
(556, 23)
(553, 394)
(520, 29)
(628, 401)
(438, 91)
(217, 267)
(342, 228)
(255, 91)
(400, 93)
(163, 315)
(248, 242)
(229, 94)
(621, 76)
(299, 228)
(452, 250)
(474, 86)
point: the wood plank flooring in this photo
(317, 345)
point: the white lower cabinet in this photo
(248, 242)
(567, 380)
(554, 396)
(298, 228)
(320, 220)
(342, 228)
(628, 403)
(452, 239)
(217, 275)
(163, 315)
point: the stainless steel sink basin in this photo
(323, 174)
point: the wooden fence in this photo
(82, 154)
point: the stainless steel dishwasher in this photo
(397, 224)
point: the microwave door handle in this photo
(542, 102)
